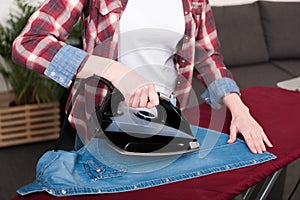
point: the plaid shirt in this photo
(41, 46)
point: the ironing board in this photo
(277, 110)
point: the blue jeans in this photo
(97, 169)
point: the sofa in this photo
(260, 42)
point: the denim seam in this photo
(154, 182)
(218, 147)
(161, 181)
(41, 171)
(116, 173)
(111, 162)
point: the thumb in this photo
(233, 134)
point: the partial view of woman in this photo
(142, 47)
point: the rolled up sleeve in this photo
(64, 65)
(217, 90)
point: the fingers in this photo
(253, 133)
(233, 134)
(139, 98)
(145, 96)
(153, 97)
(267, 141)
(253, 140)
(256, 141)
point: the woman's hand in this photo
(145, 96)
(138, 91)
(242, 122)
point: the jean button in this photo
(98, 170)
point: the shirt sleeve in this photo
(209, 64)
(217, 90)
(63, 67)
(42, 42)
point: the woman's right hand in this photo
(138, 91)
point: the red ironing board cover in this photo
(277, 110)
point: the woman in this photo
(120, 36)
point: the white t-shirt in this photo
(149, 33)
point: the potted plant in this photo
(32, 113)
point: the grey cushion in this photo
(282, 28)
(290, 66)
(258, 75)
(240, 33)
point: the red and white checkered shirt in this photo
(46, 32)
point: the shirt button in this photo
(104, 11)
(61, 80)
(52, 74)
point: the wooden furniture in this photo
(27, 123)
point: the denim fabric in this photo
(63, 67)
(97, 169)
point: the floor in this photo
(17, 168)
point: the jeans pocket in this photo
(98, 171)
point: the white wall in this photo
(9, 5)
(4, 9)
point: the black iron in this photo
(134, 143)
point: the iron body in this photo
(140, 132)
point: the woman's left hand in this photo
(242, 122)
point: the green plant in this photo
(28, 86)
